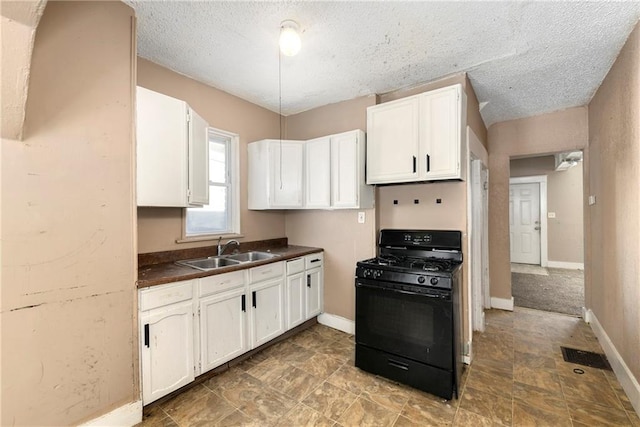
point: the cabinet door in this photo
(161, 138)
(198, 192)
(441, 115)
(222, 328)
(167, 349)
(314, 292)
(268, 311)
(345, 170)
(286, 174)
(393, 141)
(296, 305)
(318, 173)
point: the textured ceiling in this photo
(523, 58)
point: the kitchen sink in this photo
(209, 263)
(252, 256)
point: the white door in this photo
(268, 311)
(286, 169)
(167, 350)
(478, 219)
(314, 292)
(524, 222)
(393, 139)
(344, 170)
(222, 328)
(198, 193)
(295, 300)
(440, 133)
(318, 173)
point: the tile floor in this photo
(517, 378)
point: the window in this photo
(222, 214)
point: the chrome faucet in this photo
(221, 249)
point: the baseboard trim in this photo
(502, 303)
(127, 415)
(628, 382)
(337, 322)
(566, 265)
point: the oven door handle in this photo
(361, 284)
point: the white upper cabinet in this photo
(172, 152)
(318, 173)
(348, 187)
(393, 141)
(418, 138)
(275, 174)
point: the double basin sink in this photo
(213, 262)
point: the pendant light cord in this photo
(280, 108)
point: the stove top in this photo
(404, 263)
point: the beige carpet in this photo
(561, 291)
(529, 269)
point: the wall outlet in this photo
(361, 217)
(551, 214)
(592, 200)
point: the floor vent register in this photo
(585, 358)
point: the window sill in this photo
(209, 237)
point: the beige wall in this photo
(69, 342)
(344, 240)
(613, 223)
(158, 228)
(564, 130)
(565, 234)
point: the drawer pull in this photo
(398, 365)
(315, 260)
(225, 282)
(266, 272)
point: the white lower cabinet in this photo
(233, 312)
(295, 293)
(223, 329)
(315, 284)
(266, 291)
(166, 335)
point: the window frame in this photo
(233, 189)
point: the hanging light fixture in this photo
(289, 38)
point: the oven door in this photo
(397, 320)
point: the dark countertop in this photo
(169, 272)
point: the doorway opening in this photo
(546, 232)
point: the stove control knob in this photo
(434, 280)
(421, 279)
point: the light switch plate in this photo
(592, 200)
(551, 214)
(361, 217)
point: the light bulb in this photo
(289, 38)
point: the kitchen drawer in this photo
(220, 282)
(295, 266)
(314, 260)
(159, 296)
(265, 272)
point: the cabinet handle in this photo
(315, 260)
(253, 298)
(244, 303)
(266, 271)
(428, 163)
(146, 334)
(414, 164)
(308, 280)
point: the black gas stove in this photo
(408, 308)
